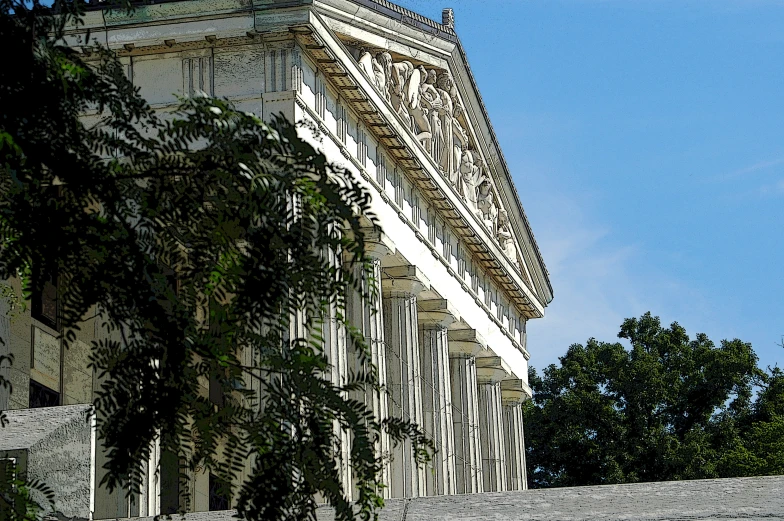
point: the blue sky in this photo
(646, 140)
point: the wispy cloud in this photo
(755, 168)
(772, 189)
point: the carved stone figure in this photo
(378, 69)
(455, 137)
(367, 64)
(412, 89)
(398, 81)
(429, 104)
(485, 202)
(428, 92)
(419, 106)
(431, 101)
(470, 174)
(506, 239)
(384, 72)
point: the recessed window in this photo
(44, 302)
(42, 396)
(219, 493)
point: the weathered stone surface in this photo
(700, 500)
(58, 442)
(744, 498)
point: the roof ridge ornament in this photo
(448, 17)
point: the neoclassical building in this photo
(459, 269)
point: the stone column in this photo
(434, 318)
(489, 372)
(367, 316)
(334, 335)
(513, 393)
(401, 285)
(464, 344)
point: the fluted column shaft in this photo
(400, 286)
(489, 376)
(335, 349)
(463, 346)
(367, 316)
(337, 356)
(512, 396)
(434, 317)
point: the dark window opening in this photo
(44, 301)
(170, 482)
(219, 493)
(217, 396)
(41, 396)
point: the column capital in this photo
(466, 342)
(377, 243)
(436, 312)
(408, 280)
(491, 369)
(514, 390)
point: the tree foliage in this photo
(16, 499)
(210, 247)
(668, 408)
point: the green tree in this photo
(667, 408)
(196, 241)
(756, 444)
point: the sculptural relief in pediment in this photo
(427, 101)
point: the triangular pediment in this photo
(423, 75)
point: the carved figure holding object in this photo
(485, 202)
(506, 239)
(469, 177)
(428, 93)
(383, 72)
(418, 107)
(431, 99)
(368, 64)
(415, 80)
(401, 72)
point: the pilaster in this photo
(435, 316)
(400, 287)
(490, 371)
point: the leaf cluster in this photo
(667, 408)
(16, 494)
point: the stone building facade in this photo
(460, 273)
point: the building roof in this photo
(26, 427)
(698, 500)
